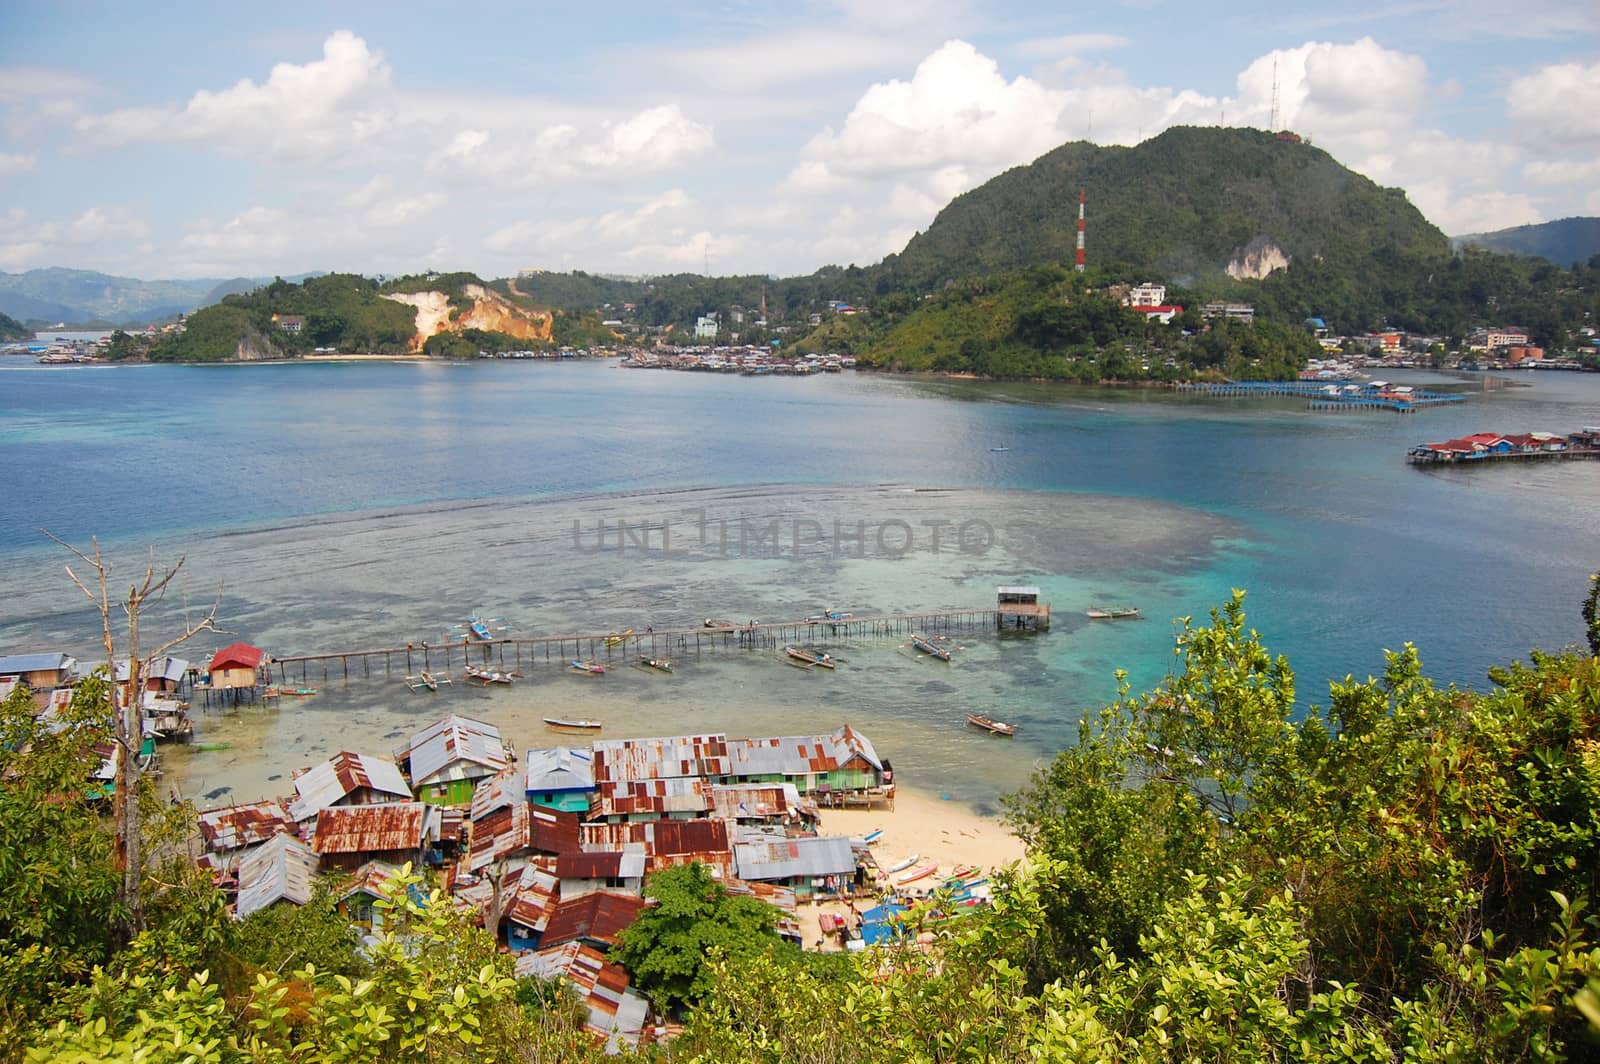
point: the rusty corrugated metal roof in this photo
(599, 865)
(670, 757)
(281, 869)
(658, 796)
(533, 898)
(341, 776)
(377, 828)
(500, 827)
(472, 744)
(375, 878)
(233, 827)
(554, 831)
(598, 916)
(756, 801)
(659, 837)
(615, 1013)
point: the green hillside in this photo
(1565, 242)
(12, 329)
(1178, 206)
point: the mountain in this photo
(59, 294)
(12, 329)
(1564, 242)
(1188, 205)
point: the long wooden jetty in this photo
(1328, 395)
(606, 646)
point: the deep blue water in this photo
(1344, 548)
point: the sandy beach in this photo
(944, 832)
(947, 833)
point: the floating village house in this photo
(41, 672)
(533, 898)
(595, 919)
(825, 765)
(281, 869)
(615, 1013)
(500, 821)
(348, 836)
(666, 843)
(585, 873)
(236, 827)
(561, 778)
(657, 779)
(805, 865)
(347, 779)
(163, 676)
(369, 884)
(1018, 606)
(236, 667)
(447, 760)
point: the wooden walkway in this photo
(665, 642)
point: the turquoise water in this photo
(350, 505)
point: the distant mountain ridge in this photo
(59, 294)
(1564, 242)
(1188, 205)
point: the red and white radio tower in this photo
(1080, 231)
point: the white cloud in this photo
(956, 109)
(104, 223)
(1557, 105)
(648, 142)
(327, 108)
(16, 162)
(1563, 172)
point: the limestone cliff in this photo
(485, 309)
(1257, 259)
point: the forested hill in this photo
(12, 329)
(1180, 206)
(1565, 242)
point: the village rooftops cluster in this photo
(552, 856)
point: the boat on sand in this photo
(901, 866)
(558, 724)
(920, 872)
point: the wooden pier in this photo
(557, 650)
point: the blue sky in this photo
(185, 140)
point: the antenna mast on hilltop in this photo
(1273, 125)
(1079, 265)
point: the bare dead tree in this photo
(127, 714)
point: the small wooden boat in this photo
(297, 692)
(920, 872)
(616, 639)
(426, 681)
(962, 873)
(713, 622)
(873, 836)
(1111, 613)
(572, 725)
(928, 646)
(489, 676)
(901, 866)
(659, 664)
(809, 657)
(999, 450)
(593, 668)
(991, 725)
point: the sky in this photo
(204, 140)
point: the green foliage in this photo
(12, 329)
(210, 335)
(58, 904)
(124, 346)
(436, 990)
(1050, 322)
(341, 310)
(667, 948)
(283, 938)
(1591, 614)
